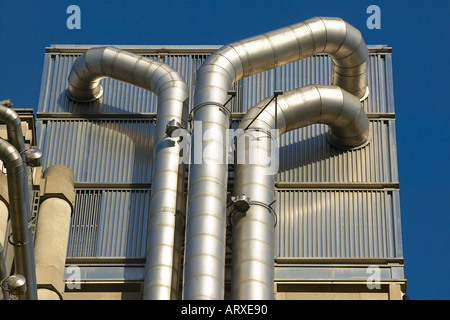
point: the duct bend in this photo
(206, 216)
(13, 126)
(253, 231)
(19, 206)
(161, 278)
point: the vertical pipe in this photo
(3, 273)
(253, 231)
(173, 93)
(22, 237)
(206, 215)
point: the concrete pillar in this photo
(4, 212)
(57, 197)
(395, 292)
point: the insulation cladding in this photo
(332, 205)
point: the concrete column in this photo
(395, 292)
(52, 231)
(4, 211)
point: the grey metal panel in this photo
(123, 223)
(84, 224)
(337, 224)
(317, 70)
(118, 97)
(124, 98)
(306, 156)
(109, 223)
(113, 151)
(308, 232)
(330, 273)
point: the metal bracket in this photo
(276, 93)
(16, 244)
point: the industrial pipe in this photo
(207, 198)
(253, 230)
(13, 125)
(22, 238)
(173, 93)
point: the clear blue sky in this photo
(418, 32)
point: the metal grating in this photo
(84, 224)
(109, 223)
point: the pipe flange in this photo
(96, 96)
(364, 144)
(221, 106)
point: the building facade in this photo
(338, 230)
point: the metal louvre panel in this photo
(338, 224)
(317, 70)
(118, 97)
(113, 151)
(109, 223)
(84, 224)
(123, 223)
(124, 98)
(306, 156)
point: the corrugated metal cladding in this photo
(330, 203)
(338, 224)
(109, 223)
(100, 151)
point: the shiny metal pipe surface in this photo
(13, 127)
(253, 231)
(206, 216)
(19, 205)
(173, 93)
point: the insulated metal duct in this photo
(253, 230)
(207, 198)
(173, 93)
(13, 125)
(19, 206)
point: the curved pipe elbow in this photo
(330, 105)
(10, 157)
(332, 36)
(110, 62)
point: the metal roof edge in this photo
(168, 49)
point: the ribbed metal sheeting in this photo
(317, 70)
(100, 151)
(127, 99)
(338, 224)
(109, 223)
(116, 148)
(306, 156)
(118, 97)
